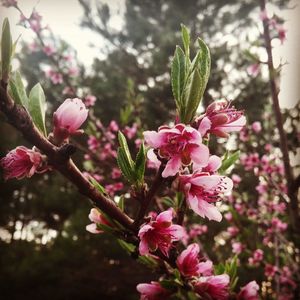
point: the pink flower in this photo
(233, 231)
(189, 265)
(69, 117)
(159, 233)
(263, 15)
(152, 291)
(130, 132)
(202, 189)
(237, 247)
(113, 125)
(256, 126)
(49, 50)
(89, 100)
(97, 218)
(281, 33)
(181, 145)
(55, 77)
(220, 119)
(116, 173)
(213, 287)
(249, 291)
(21, 162)
(196, 230)
(270, 270)
(253, 70)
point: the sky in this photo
(64, 17)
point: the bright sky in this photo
(64, 18)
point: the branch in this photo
(59, 157)
(293, 205)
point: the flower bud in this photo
(68, 118)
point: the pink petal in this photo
(172, 167)
(204, 126)
(207, 182)
(200, 155)
(154, 139)
(204, 209)
(165, 216)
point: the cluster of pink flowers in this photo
(181, 147)
(23, 162)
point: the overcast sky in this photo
(64, 16)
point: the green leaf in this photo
(121, 202)
(130, 248)
(140, 163)
(97, 185)
(37, 107)
(228, 161)
(185, 39)
(125, 166)
(178, 75)
(124, 146)
(106, 228)
(17, 90)
(6, 50)
(193, 94)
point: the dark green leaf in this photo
(140, 163)
(178, 75)
(124, 165)
(6, 50)
(185, 39)
(17, 90)
(37, 107)
(97, 185)
(127, 246)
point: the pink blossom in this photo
(213, 287)
(189, 265)
(159, 233)
(233, 231)
(281, 33)
(180, 145)
(256, 126)
(93, 143)
(49, 50)
(220, 118)
(113, 125)
(236, 178)
(55, 77)
(237, 247)
(97, 218)
(202, 189)
(270, 270)
(68, 91)
(73, 71)
(249, 292)
(114, 187)
(253, 70)
(152, 291)
(21, 162)
(214, 163)
(196, 230)
(89, 100)
(116, 173)
(69, 117)
(130, 132)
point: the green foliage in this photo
(97, 185)
(188, 79)
(230, 268)
(133, 171)
(229, 160)
(17, 90)
(6, 50)
(37, 107)
(128, 247)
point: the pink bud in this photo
(256, 126)
(249, 291)
(20, 162)
(69, 117)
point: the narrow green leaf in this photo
(124, 165)
(37, 107)
(178, 75)
(193, 94)
(106, 228)
(185, 39)
(97, 185)
(127, 246)
(121, 203)
(17, 90)
(140, 163)
(6, 50)
(124, 146)
(228, 161)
